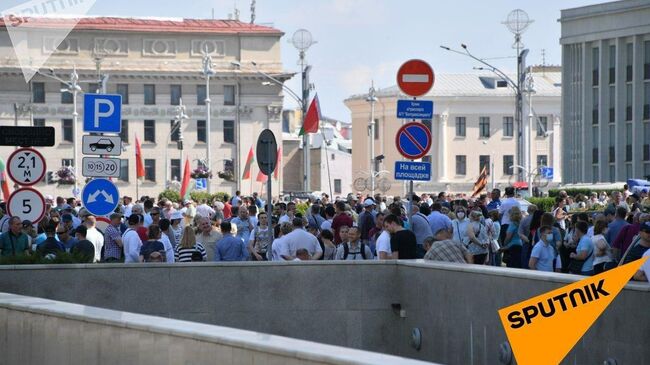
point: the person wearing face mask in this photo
(544, 256)
(459, 225)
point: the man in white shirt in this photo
(383, 246)
(299, 238)
(127, 206)
(507, 204)
(131, 240)
(205, 210)
(644, 271)
(291, 213)
(280, 247)
(94, 236)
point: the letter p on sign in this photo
(102, 113)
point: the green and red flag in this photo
(312, 118)
(186, 180)
(139, 166)
(247, 168)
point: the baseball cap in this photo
(176, 215)
(645, 227)
(368, 202)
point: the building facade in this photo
(606, 91)
(154, 64)
(473, 126)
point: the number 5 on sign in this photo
(27, 204)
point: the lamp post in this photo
(207, 72)
(529, 131)
(372, 99)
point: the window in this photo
(175, 93)
(612, 63)
(595, 64)
(612, 154)
(461, 164)
(175, 136)
(461, 127)
(542, 160)
(376, 129)
(628, 142)
(229, 166)
(484, 127)
(594, 155)
(149, 94)
(628, 107)
(150, 169)
(124, 134)
(93, 88)
(595, 142)
(66, 97)
(39, 122)
(542, 126)
(201, 135)
(502, 83)
(337, 186)
(67, 162)
(646, 141)
(124, 169)
(508, 126)
(123, 89)
(612, 143)
(629, 52)
(508, 162)
(38, 92)
(201, 94)
(594, 109)
(484, 161)
(150, 131)
(175, 169)
(646, 60)
(228, 94)
(229, 131)
(67, 130)
(646, 101)
(612, 104)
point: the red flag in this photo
(261, 177)
(277, 163)
(186, 178)
(312, 118)
(247, 167)
(5, 185)
(139, 166)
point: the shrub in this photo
(584, 191)
(170, 195)
(200, 196)
(545, 204)
(302, 209)
(37, 259)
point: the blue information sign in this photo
(415, 109)
(409, 170)
(102, 113)
(100, 197)
(547, 173)
(202, 184)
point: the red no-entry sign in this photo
(415, 78)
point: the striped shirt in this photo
(111, 248)
(185, 254)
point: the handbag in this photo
(575, 266)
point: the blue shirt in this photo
(545, 254)
(438, 221)
(230, 248)
(494, 205)
(516, 240)
(585, 245)
(243, 228)
(614, 228)
(69, 244)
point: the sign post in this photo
(267, 156)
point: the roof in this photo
(480, 84)
(149, 25)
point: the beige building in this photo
(153, 64)
(473, 125)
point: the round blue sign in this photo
(100, 197)
(413, 140)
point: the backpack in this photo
(346, 251)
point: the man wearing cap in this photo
(366, 220)
(639, 246)
(67, 224)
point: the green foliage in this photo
(302, 209)
(38, 259)
(201, 196)
(573, 192)
(170, 195)
(220, 196)
(545, 204)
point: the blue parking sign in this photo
(102, 113)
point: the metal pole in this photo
(305, 137)
(208, 127)
(410, 210)
(371, 142)
(269, 198)
(74, 78)
(529, 130)
(492, 172)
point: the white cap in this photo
(368, 202)
(176, 215)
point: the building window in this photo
(629, 52)
(628, 142)
(67, 130)
(508, 162)
(612, 143)
(175, 169)
(228, 94)
(646, 60)
(594, 155)
(376, 129)
(124, 169)
(150, 131)
(337, 186)
(66, 97)
(461, 164)
(229, 166)
(612, 104)
(229, 131)
(201, 135)
(542, 160)
(149, 94)
(646, 141)
(67, 162)
(461, 127)
(612, 173)
(123, 89)
(508, 126)
(93, 88)
(124, 134)
(150, 169)
(484, 127)
(595, 63)
(484, 161)
(175, 136)
(612, 154)
(594, 109)
(612, 63)
(39, 122)
(175, 93)
(38, 92)
(628, 107)
(646, 101)
(542, 126)
(201, 94)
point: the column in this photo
(556, 139)
(442, 147)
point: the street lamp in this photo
(178, 122)
(207, 72)
(372, 99)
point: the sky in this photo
(360, 41)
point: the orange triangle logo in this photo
(564, 315)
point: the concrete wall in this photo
(346, 304)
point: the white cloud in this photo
(357, 79)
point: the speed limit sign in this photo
(26, 203)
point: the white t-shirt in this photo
(132, 245)
(326, 225)
(299, 238)
(383, 244)
(169, 250)
(204, 210)
(646, 265)
(97, 239)
(284, 219)
(504, 209)
(279, 248)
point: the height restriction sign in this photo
(26, 166)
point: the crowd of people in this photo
(489, 230)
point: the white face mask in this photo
(460, 215)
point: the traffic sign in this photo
(26, 166)
(102, 145)
(26, 203)
(267, 152)
(26, 136)
(100, 197)
(100, 167)
(413, 140)
(415, 109)
(415, 78)
(409, 170)
(547, 173)
(102, 113)
(201, 184)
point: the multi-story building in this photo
(606, 91)
(473, 126)
(153, 64)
